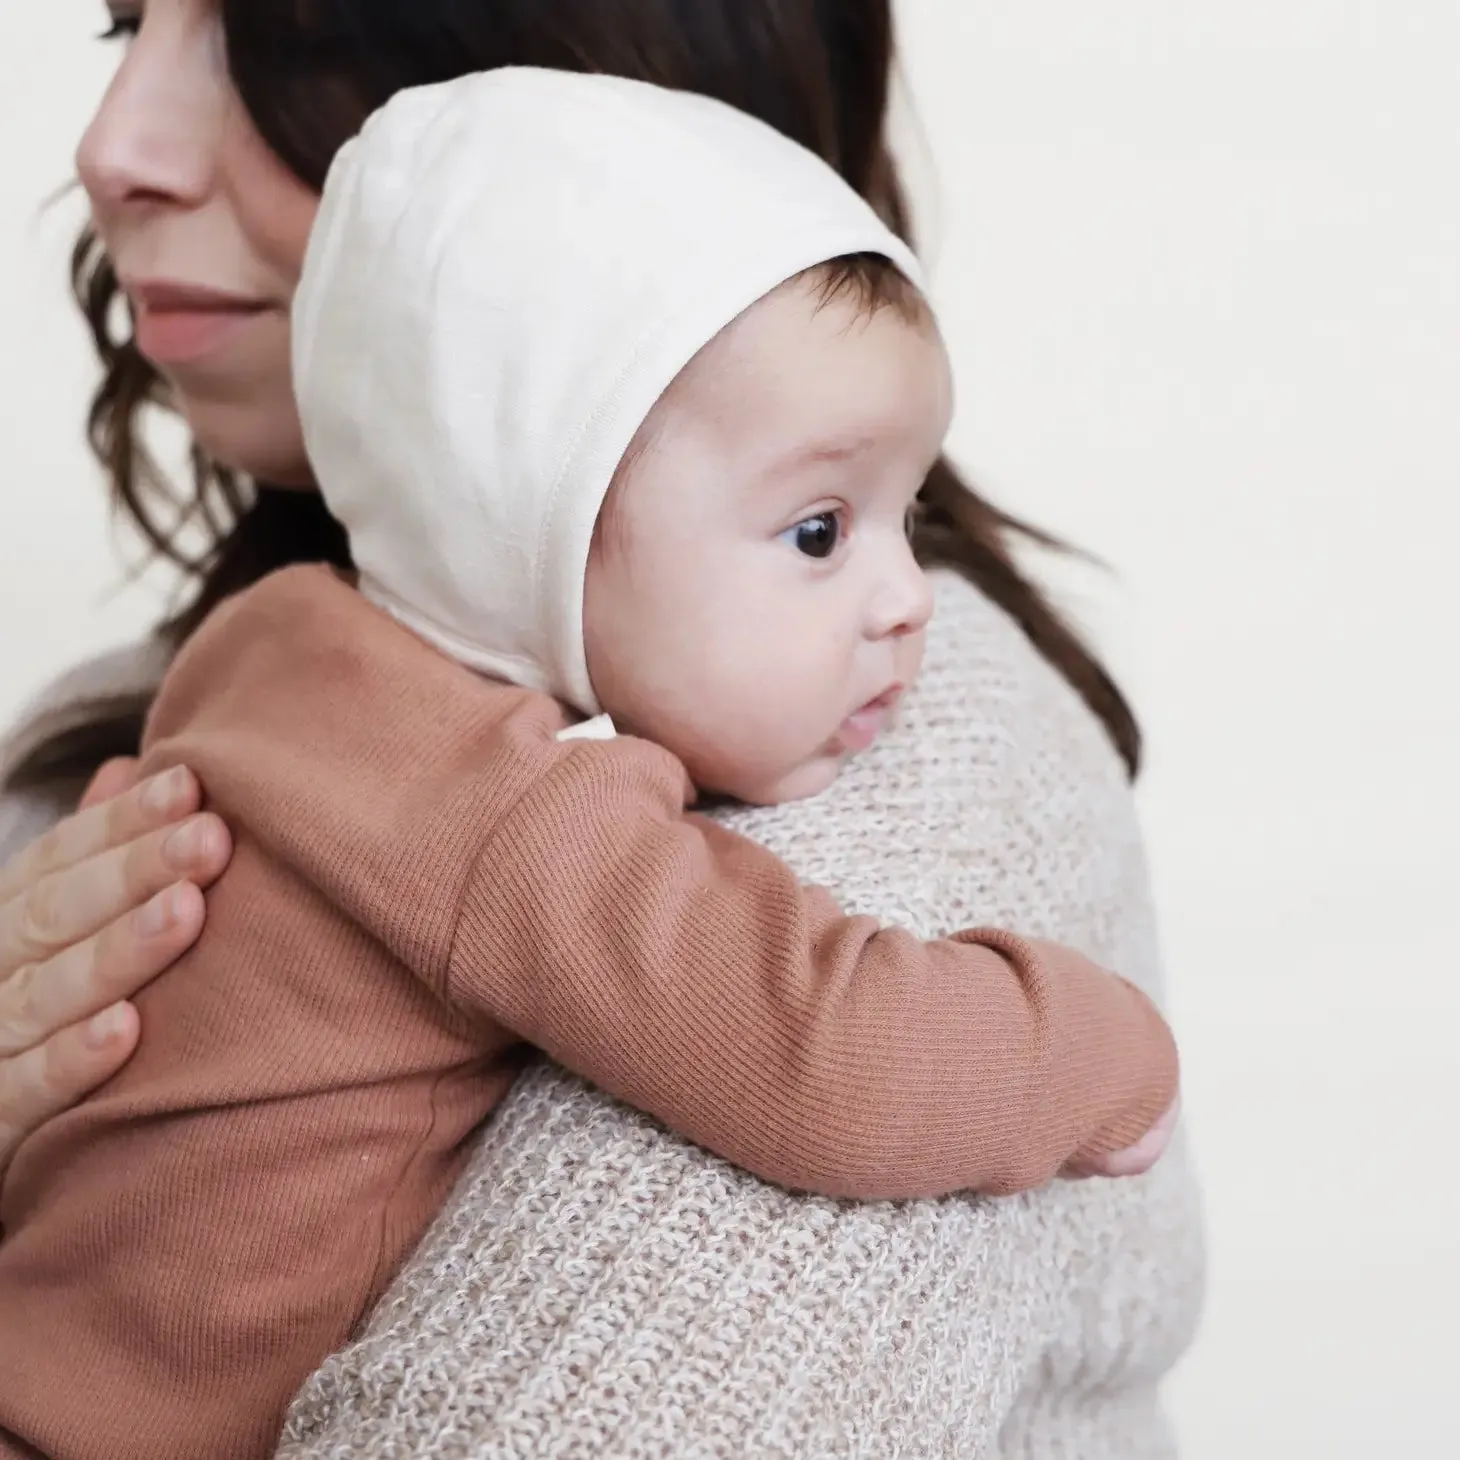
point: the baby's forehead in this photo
(801, 355)
(799, 400)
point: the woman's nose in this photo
(903, 602)
(154, 138)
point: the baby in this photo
(625, 401)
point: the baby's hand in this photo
(1135, 1160)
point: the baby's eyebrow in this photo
(820, 453)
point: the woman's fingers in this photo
(69, 905)
(113, 778)
(53, 1076)
(102, 826)
(88, 915)
(96, 974)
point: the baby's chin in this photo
(801, 783)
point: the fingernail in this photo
(164, 790)
(184, 846)
(158, 915)
(106, 1026)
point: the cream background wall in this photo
(1199, 264)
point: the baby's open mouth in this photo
(865, 724)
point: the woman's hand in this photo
(90, 913)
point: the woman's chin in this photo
(252, 439)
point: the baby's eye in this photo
(817, 536)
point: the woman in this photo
(202, 175)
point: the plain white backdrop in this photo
(1199, 263)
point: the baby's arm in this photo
(561, 891)
(685, 969)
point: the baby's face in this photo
(752, 602)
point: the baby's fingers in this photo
(1134, 1160)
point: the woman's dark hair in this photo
(310, 71)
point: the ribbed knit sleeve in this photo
(685, 969)
(561, 891)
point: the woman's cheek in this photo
(275, 210)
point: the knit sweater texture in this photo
(597, 1287)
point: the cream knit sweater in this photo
(598, 1288)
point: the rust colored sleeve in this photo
(563, 892)
(685, 969)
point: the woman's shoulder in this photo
(119, 683)
(64, 705)
(982, 672)
(1053, 816)
(125, 672)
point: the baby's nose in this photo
(904, 602)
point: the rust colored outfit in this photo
(426, 883)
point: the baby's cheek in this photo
(747, 747)
(808, 779)
(910, 658)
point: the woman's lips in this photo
(178, 323)
(864, 725)
(177, 336)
